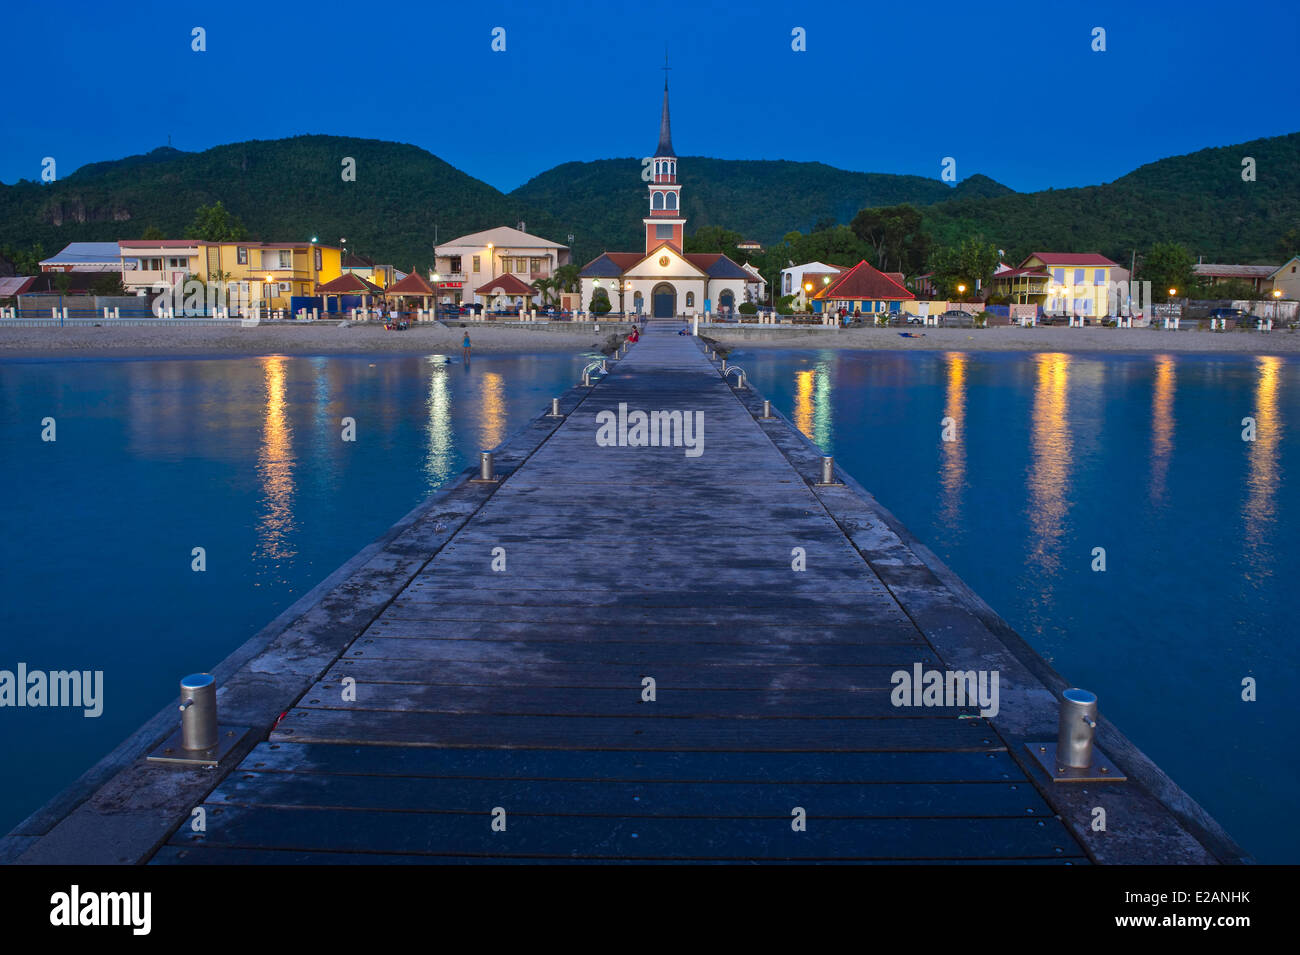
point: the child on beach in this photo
(465, 346)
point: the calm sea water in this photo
(1056, 455)
(242, 457)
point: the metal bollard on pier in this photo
(828, 473)
(1074, 757)
(200, 740)
(486, 469)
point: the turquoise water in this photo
(1055, 455)
(243, 457)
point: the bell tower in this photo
(665, 223)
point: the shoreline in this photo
(1013, 338)
(235, 342)
(136, 341)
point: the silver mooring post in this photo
(1078, 724)
(199, 741)
(198, 712)
(604, 370)
(713, 355)
(486, 471)
(828, 472)
(724, 366)
(555, 408)
(586, 378)
(1074, 758)
(767, 408)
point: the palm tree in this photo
(545, 287)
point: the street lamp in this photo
(436, 279)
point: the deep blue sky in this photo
(1011, 90)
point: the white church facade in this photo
(664, 281)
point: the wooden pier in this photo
(439, 707)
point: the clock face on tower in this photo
(663, 261)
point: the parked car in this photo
(956, 318)
(1234, 313)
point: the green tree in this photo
(600, 300)
(153, 232)
(713, 238)
(215, 224)
(567, 278)
(25, 261)
(896, 236)
(1167, 265)
(970, 263)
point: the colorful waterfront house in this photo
(283, 270)
(267, 274)
(1286, 278)
(466, 262)
(1077, 283)
(85, 257)
(663, 280)
(864, 289)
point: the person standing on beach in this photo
(465, 346)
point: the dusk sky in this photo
(1011, 90)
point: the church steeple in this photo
(665, 128)
(665, 222)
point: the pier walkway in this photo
(502, 711)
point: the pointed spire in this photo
(665, 147)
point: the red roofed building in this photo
(862, 288)
(663, 280)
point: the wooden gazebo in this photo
(348, 284)
(414, 285)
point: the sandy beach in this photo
(131, 341)
(1052, 338)
(135, 340)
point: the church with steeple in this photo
(664, 281)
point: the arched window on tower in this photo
(658, 201)
(672, 200)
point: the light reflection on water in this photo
(275, 462)
(1049, 474)
(1264, 477)
(243, 457)
(1143, 455)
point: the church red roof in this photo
(866, 283)
(508, 285)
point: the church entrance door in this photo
(664, 297)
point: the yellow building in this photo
(268, 273)
(1077, 283)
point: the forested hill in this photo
(1199, 200)
(763, 199)
(292, 189)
